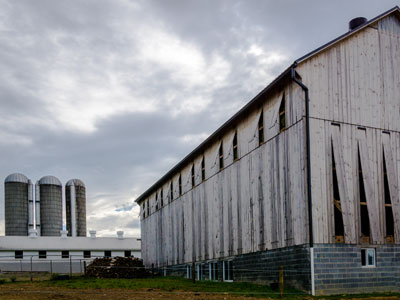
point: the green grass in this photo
(171, 284)
(23, 276)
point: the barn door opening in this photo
(337, 207)
(364, 217)
(389, 222)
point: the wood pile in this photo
(116, 267)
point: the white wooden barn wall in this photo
(358, 80)
(259, 202)
(255, 203)
(355, 84)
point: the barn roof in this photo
(278, 82)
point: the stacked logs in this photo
(116, 267)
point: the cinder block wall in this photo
(338, 269)
(262, 267)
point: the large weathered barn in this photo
(306, 176)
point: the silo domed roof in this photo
(50, 180)
(76, 182)
(16, 177)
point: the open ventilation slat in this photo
(338, 217)
(389, 222)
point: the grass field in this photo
(171, 284)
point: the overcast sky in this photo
(116, 92)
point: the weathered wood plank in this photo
(346, 201)
(392, 176)
(372, 202)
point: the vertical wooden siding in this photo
(259, 201)
(255, 203)
(353, 84)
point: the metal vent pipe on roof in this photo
(37, 207)
(354, 23)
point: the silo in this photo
(16, 188)
(50, 193)
(75, 197)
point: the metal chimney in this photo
(354, 23)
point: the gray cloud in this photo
(116, 92)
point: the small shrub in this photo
(13, 278)
(2, 281)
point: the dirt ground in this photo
(32, 292)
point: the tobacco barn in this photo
(305, 176)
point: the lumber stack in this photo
(116, 267)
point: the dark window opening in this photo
(19, 254)
(282, 115)
(365, 229)
(171, 192)
(162, 197)
(203, 170)
(144, 209)
(86, 254)
(228, 271)
(221, 156)
(200, 272)
(42, 254)
(261, 129)
(156, 201)
(339, 227)
(213, 271)
(127, 253)
(368, 257)
(180, 185)
(235, 147)
(363, 257)
(148, 208)
(189, 271)
(193, 181)
(388, 207)
(107, 253)
(64, 254)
